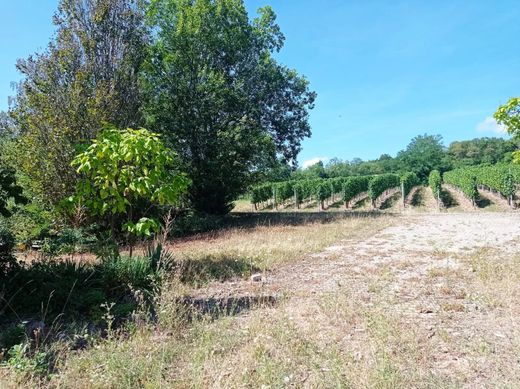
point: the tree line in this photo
(423, 154)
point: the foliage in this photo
(87, 75)
(509, 116)
(479, 151)
(220, 98)
(31, 222)
(7, 242)
(122, 169)
(322, 189)
(75, 290)
(20, 360)
(281, 171)
(465, 180)
(312, 172)
(9, 191)
(69, 241)
(353, 186)
(381, 183)
(283, 191)
(409, 180)
(261, 193)
(501, 178)
(435, 182)
(424, 154)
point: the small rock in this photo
(256, 277)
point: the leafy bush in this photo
(123, 168)
(19, 358)
(30, 222)
(69, 241)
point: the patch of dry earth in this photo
(408, 295)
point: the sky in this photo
(384, 71)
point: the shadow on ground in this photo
(483, 202)
(447, 199)
(390, 202)
(418, 199)
(214, 268)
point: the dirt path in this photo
(422, 201)
(409, 296)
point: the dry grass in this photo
(238, 252)
(406, 320)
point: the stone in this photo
(257, 277)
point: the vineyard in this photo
(500, 180)
(326, 191)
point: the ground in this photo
(429, 301)
(423, 300)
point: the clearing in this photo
(430, 300)
(417, 300)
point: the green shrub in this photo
(31, 222)
(12, 336)
(7, 243)
(136, 272)
(20, 359)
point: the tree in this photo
(281, 171)
(124, 170)
(479, 151)
(220, 98)
(422, 155)
(509, 116)
(337, 168)
(87, 75)
(9, 191)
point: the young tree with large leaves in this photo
(220, 98)
(124, 173)
(88, 75)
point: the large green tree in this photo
(422, 155)
(480, 150)
(220, 98)
(87, 75)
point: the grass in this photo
(238, 252)
(136, 356)
(367, 332)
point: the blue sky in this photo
(384, 71)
